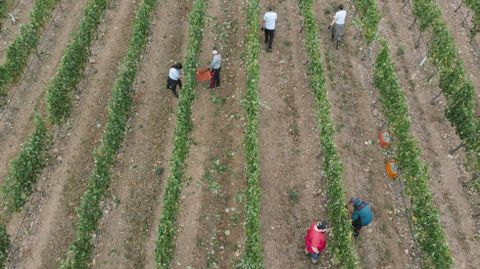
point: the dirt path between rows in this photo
(43, 233)
(138, 181)
(388, 240)
(290, 154)
(435, 135)
(211, 210)
(16, 118)
(10, 28)
(468, 49)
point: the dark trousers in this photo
(172, 85)
(269, 35)
(215, 80)
(357, 226)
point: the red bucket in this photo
(384, 139)
(204, 74)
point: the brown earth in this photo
(435, 134)
(387, 242)
(130, 213)
(16, 118)
(10, 28)
(211, 209)
(43, 232)
(290, 154)
(467, 47)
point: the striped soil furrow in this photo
(388, 240)
(468, 48)
(435, 135)
(16, 118)
(136, 193)
(210, 232)
(289, 141)
(42, 233)
(10, 27)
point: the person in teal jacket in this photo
(361, 214)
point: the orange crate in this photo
(204, 74)
(392, 169)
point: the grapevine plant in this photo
(474, 5)
(425, 217)
(27, 40)
(369, 18)
(341, 243)
(253, 251)
(167, 227)
(454, 83)
(61, 87)
(22, 175)
(25, 169)
(89, 212)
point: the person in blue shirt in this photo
(361, 214)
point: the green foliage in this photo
(167, 228)
(5, 5)
(253, 258)
(425, 216)
(61, 86)
(369, 18)
(4, 245)
(341, 243)
(474, 5)
(89, 212)
(25, 169)
(456, 87)
(20, 49)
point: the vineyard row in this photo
(425, 217)
(89, 212)
(456, 87)
(341, 244)
(20, 49)
(61, 87)
(253, 250)
(167, 228)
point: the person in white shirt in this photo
(174, 75)
(214, 67)
(338, 25)
(268, 26)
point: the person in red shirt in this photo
(315, 240)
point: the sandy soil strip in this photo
(10, 28)
(207, 237)
(44, 232)
(130, 214)
(387, 241)
(435, 135)
(16, 117)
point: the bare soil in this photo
(11, 27)
(290, 154)
(211, 233)
(435, 134)
(16, 118)
(43, 232)
(131, 212)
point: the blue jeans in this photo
(314, 256)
